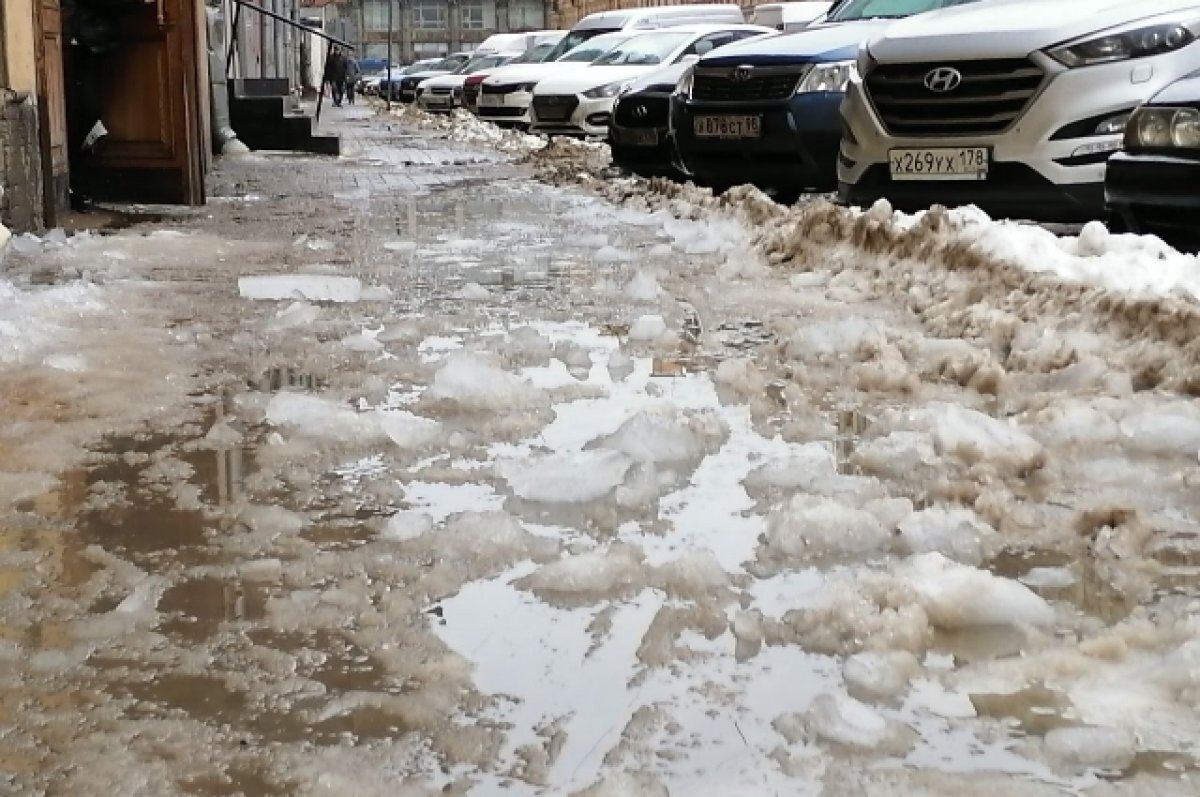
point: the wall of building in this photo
(566, 13)
(428, 28)
(21, 206)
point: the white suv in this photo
(1011, 105)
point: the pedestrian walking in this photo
(353, 73)
(335, 75)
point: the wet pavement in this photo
(407, 473)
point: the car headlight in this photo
(1154, 127)
(607, 90)
(834, 76)
(686, 81)
(1124, 45)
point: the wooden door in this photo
(150, 96)
(52, 111)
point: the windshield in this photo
(594, 48)
(483, 62)
(447, 64)
(535, 54)
(572, 40)
(888, 9)
(645, 50)
(419, 66)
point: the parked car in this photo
(382, 86)
(534, 55)
(444, 94)
(639, 134)
(1154, 184)
(506, 96)
(580, 102)
(368, 82)
(789, 17)
(1013, 106)
(405, 89)
(767, 111)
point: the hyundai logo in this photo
(943, 79)
(640, 111)
(742, 73)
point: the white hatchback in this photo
(1011, 105)
(580, 103)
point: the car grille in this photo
(501, 111)
(555, 107)
(508, 89)
(440, 90)
(734, 85)
(643, 111)
(991, 96)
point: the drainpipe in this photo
(225, 140)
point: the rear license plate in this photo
(640, 138)
(943, 163)
(728, 126)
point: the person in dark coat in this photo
(353, 73)
(335, 75)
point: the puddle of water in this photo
(197, 608)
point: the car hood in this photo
(525, 73)
(1182, 92)
(419, 76)
(833, 42)
(1010, 28)
(660, 79)
(444, 80)
(590, 78)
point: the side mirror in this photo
(689, 59)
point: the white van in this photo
(789, 17)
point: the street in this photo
(461, 466)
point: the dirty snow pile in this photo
(5, 237)
(29, 320)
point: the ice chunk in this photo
(811, 526)
(569, 478)
(26, 244)
(842, 337)
(401, 247)
(1086, 747)
(643, 287)
(272, 520)
(407, 526)
(474, 292)
(474, 384)
(697, 575)
(608, 572)
(975, 437)
(807, 465)
(879, 675)
(320, 418)
(1163, 432)
(625, 784)
(958, 596)
(610, 254)
(302, 287)
(665, 434)
(620, 366)
(648, 328)
(1075, 422)
(843, 720)
(955, 533)
(377, 293)
(261, 570)
(410, 431)
(362, 342)
(222, 435)
(71, 363)
(898, 454)
(1049, 578)
(296, 314)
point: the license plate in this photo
(489, 100)
(640, 138)
(728, 126)
(943, 163)
(435, 100)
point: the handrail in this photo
(334, 39)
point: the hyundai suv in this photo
(1011, 105)
(766, 111)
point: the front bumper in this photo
(1156, 193)
(510, 108)
(1046, 165)
(797, 148)
(590, 118)
(639, 134)
(437, 103)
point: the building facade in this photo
(22, 199)
(431, 28)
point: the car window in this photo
(594, 48)
(712, 41)
(888, 9)
(535, 54)
(573, 39)
(645, 50)
(483, 62)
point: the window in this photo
(472, 15)
(429, 15)
(715, 40)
